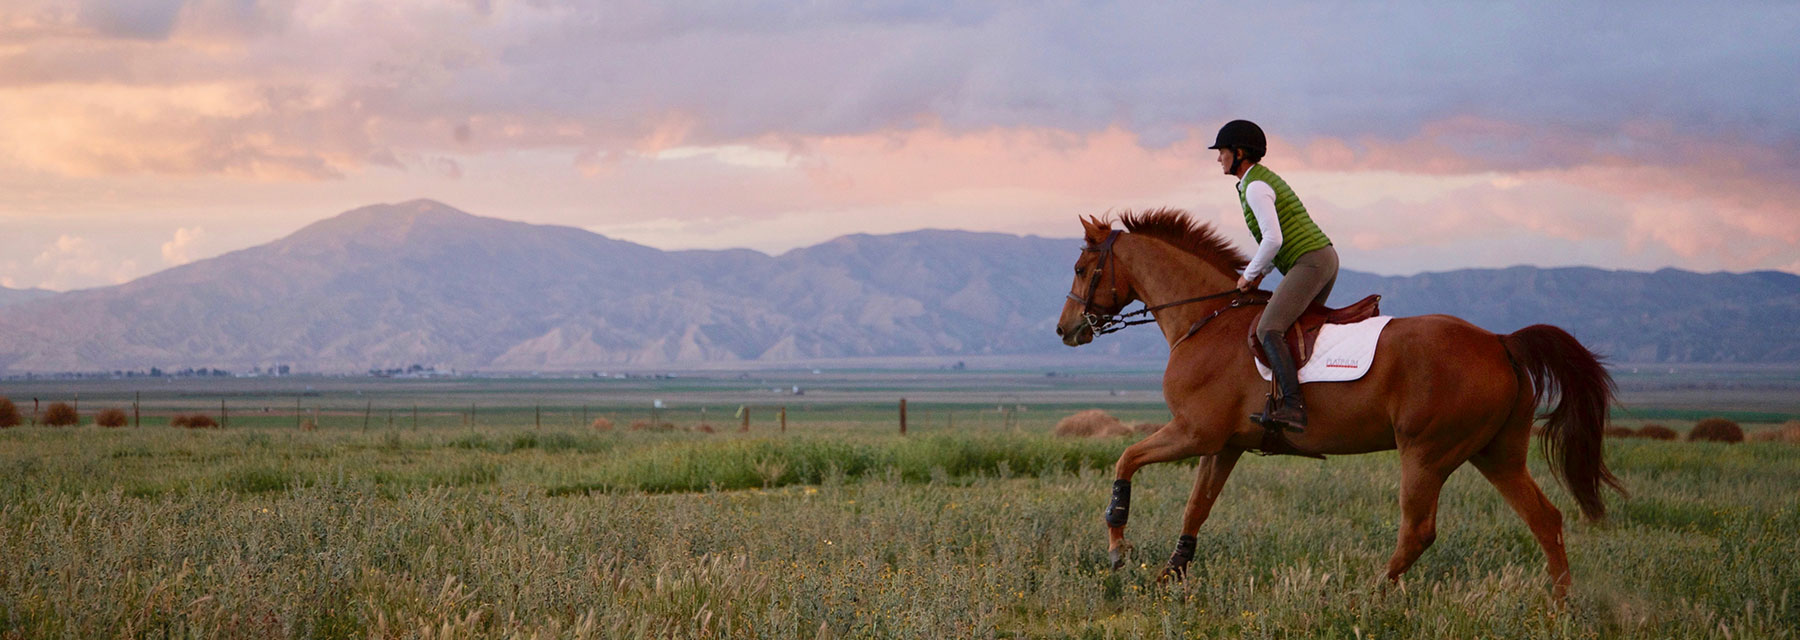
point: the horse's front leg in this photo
(1172, 442)
(1214, 470)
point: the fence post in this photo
(784, 419)
(537, 416)
(224, 417)
(745, 426)
(367, 408)
(903, 416)
(137, 416)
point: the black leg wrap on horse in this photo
(1120, 509)
(1178, 561)
(1184, 550)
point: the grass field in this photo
(976, 524)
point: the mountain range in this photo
(14, 296)
(421, 282)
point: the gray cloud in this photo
(135, 19)
(379, 76)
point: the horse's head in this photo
(1101, 287)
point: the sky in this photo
(139, 135)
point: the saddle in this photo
(1305, 333)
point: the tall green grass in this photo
(510, 532)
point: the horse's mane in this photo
(1175, 227)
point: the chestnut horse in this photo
(1441, 391)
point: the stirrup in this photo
(1269, 422)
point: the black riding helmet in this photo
(1242, 134)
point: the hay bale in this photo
(1618, 432)
(1145, 428)
(193, 421)
(1655, 431)
(60, 414)
(601, 424)
(1716, 430)
(1788, 432)
(9, 414)
(645, 425)
(111, 418)
(1092, 423)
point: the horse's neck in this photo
(1164, 274)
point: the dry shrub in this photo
(60, 414)
(602, 424)
(1619, 432)
(9, 414)
(1657, 432)
(308, 426)
(1145, 428)
(194, 421)
(646, 425)
(1716, 430)
(1092, 423)
(704, 428)
(111, 418)
(1788, 432)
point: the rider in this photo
(1286, 239)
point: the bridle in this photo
(1098, 321)
(1104, 323)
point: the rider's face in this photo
(1226, 156)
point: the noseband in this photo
(1105, 323)
(1101, 323)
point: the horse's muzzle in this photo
(1083, 333)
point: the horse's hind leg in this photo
(1506, 469)
(1420, 485)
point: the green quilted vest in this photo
(1298, 233)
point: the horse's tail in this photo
(1560, 366)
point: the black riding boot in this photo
(1292, 409)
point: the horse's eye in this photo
(1080, 270)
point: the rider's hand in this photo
(1245, 284)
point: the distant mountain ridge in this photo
(420, 282)
(15, 296)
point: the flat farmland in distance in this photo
(522, 520)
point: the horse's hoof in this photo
(1171, 574)
(1117, 555)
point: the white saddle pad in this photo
(1343, 352)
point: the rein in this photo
(1108, 323)
(1105, 323)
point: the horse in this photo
(1440, 390)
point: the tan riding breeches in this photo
(1309, 281)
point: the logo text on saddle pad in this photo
(1343, 352)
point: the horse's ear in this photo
(1095, 230)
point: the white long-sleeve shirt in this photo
(1261, 197)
